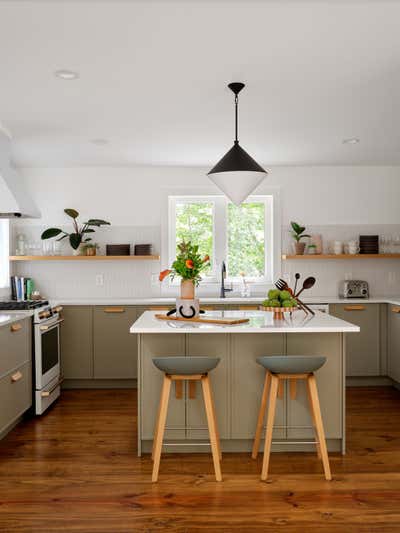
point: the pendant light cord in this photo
(236, 119)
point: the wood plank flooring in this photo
(76, 470)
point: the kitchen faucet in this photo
(223, 275)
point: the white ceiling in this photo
(153, 81)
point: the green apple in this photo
(285, 295)
(273, 294)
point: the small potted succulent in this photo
(188, 265)
(312, 249)
(78, 237)
(298, 234)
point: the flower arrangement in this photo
(188, 264)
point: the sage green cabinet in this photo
(114, 348)
(77, 342)
(160, 345)
(363, 349)
(329, 382)
(394, 342)
(247, 382)
(15, 372)
(215, 345)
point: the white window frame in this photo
(271, 235)
(4, 254)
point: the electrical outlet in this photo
(99, 280)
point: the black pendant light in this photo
(237, 174)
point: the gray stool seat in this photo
(291, 364)
(186, 365)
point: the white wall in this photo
(135, 195)
(337, 201)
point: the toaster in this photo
(353, 288)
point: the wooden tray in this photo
(220, 321)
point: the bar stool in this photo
(190, 369)
(292, 368)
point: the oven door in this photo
(47, 353)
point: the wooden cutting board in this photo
(220, 321)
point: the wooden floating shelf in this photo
(341, 256)
(84, 258)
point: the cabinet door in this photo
(77, 342)
(247, 382)
(362, 349)
(329, 383)
(150, 382)
(15, 344)
(115, 349)
(394, 342)
(213, 345)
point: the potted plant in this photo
(188, 265)
(312, 249)
(298, 234)
(79, 235)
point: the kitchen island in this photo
(238, 380)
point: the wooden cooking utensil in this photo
(297, 277)
(307, 284)
(283, 286)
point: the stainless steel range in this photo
(46, 350)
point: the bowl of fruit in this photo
(279, 302)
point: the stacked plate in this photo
(143, 249)
(369, 244)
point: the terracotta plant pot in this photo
(299, 248)
(90, 251)
(187, 289)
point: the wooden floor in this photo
(76, 469)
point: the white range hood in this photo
(15, 202)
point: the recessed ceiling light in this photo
(66, 74)
(99, 142)
(351, 140)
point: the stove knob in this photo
(349, 291)
(364, 291)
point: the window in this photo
(4, 253)
(242, 236)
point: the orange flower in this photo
(206, 258)
(189, 263)
(164, 274)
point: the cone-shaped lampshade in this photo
(237, 174)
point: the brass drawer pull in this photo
(355, 308)
(249, 307)
(15, 327)
(16, 377)
(114, 310)
(395, 309)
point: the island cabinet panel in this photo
(362, 349)
(394, 342)
(214, 345)
(329, 382)
(115, 349)
(77, 342)
(159, 345)
(247, 381)
(15, 344)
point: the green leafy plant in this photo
(78, 236)
(188, 263)
(298, 231)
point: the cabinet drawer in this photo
(15, 342)
(15, 394)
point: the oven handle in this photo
(46, 328)
(47, 393)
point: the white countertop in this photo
(8, 317)
(259, 322)
(394, 300)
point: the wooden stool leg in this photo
(205, 383)
(270, 426)
(161, 426)
(280, 389)
(312, 384)
(216, 424)
(156, 426)
(261, 415)
(313, 421)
